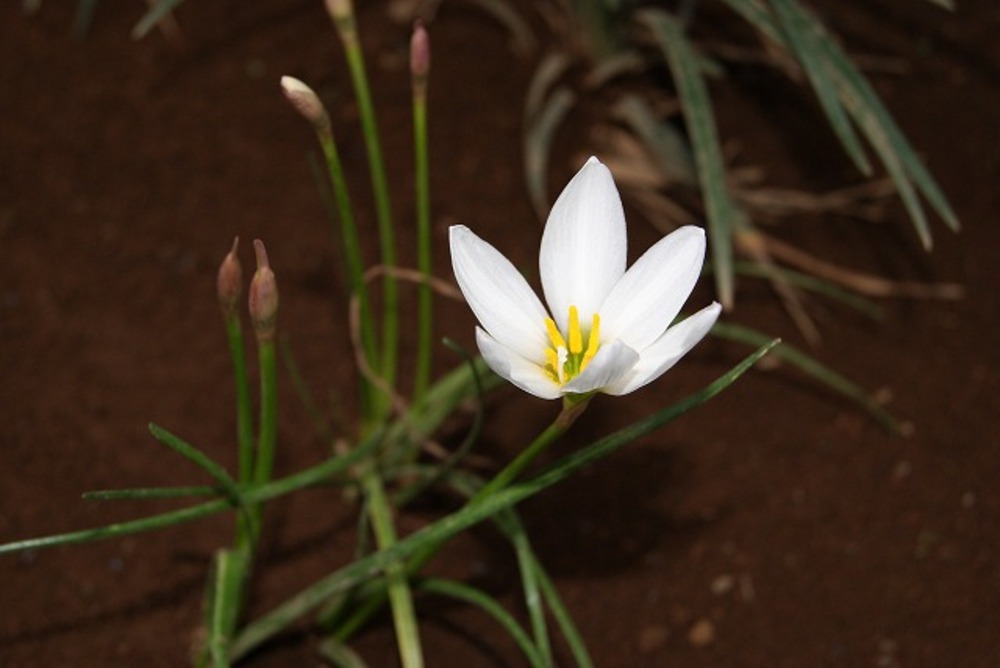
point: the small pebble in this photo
(722, 584)
(702, 633)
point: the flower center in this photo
(566, 361)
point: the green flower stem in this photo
(225, 601)
(244, 414)
(425, 296)
(390, 316)
(572, 409)
(400, 596)
(268, 434)
(354, 259)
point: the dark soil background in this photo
(776, 526)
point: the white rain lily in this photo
(609, 329)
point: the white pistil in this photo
(565, 361)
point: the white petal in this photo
(612, 362)
(655, 360)
(650, 294)
(502, 300)
(509, 365)
(583, 250)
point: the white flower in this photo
(609, 329)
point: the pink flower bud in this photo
(420, 51)
(229, 282)
(263, 296)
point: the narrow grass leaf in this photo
(553, 66)
(264, 628)
(565, 621)
(489, 605)
(871, 116)
(802, 35)
(720, 208)
(857, 90)
(340, 655)
(197, 457)
(670, 149)
(813, 284)
(532, 596)
(538, 144)
(814, 369)
(154, 15)
(149, 493)
(306, 478)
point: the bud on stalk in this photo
(307, 103)
(263, 296)
(229, 282)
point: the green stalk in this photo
(355, 261)
(264, 314)
(572, 409)
(305, 100)
(343, 16)
(225, 597)
(229, 289)
(400, 596)
(244, 419)
(419, 68)
(268, 433)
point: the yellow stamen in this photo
(554, 336)
(575, 336)
(565, 362)
(593, 341)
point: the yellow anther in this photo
(565, 362)
(593, 341)
(554, 336)
(575, 336)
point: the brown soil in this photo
(776, 526)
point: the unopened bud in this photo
(340, 10)
(263, 296)
(420, 53)
(229, 281)
(306, 102)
